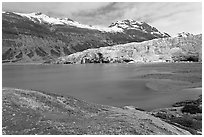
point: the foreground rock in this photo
(34, 112)
(186, 114)
(188, 48)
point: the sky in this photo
(170, 17)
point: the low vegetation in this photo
(186, 114)
(192, 109)
(27, 112)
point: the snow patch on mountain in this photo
(119, 26)
(184, 34)
(127, 24)
(130, 24)
(42, 18)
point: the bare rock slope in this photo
(34, 112)
(36, 37)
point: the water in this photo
(109, 84)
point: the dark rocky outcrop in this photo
(185, 114)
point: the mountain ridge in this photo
(143, 26)
(42, 18)
(25, 39)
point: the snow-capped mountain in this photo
(118, 26)
(127, 24)
(130, 24)
(184, 34)
(31, 37)
(42, 18)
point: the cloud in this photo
(166, 16)
(101, 11)
(55, 8)
(101, 16)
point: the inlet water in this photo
(108, 84)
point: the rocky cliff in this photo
(182, 48)
(36, 37)
(33, 112)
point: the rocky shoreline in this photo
(36, 112)
(185, 114)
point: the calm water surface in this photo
(109, 84)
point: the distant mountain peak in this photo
(184, 34)
(129, 24)
(37, 13)
(39, 17)
(119, 26)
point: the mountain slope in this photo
(140, 26)
(36, 37)
(33, 112)
(187, 48)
